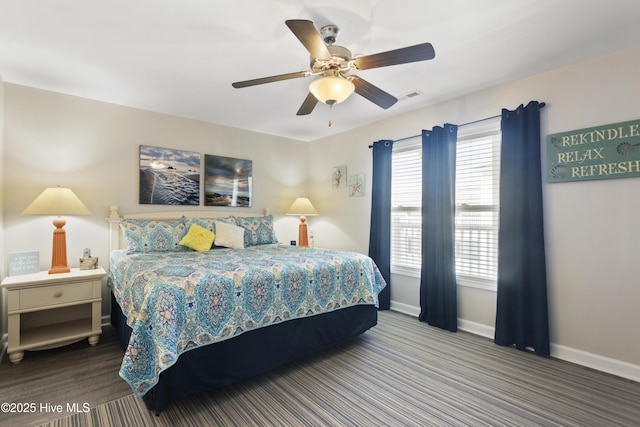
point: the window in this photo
(406, 202)
(477, 205)
(477, 202)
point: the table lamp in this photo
(57, 201)
(303, 207)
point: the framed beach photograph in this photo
(227, 181)
(169, 177)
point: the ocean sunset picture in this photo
(227, 181)
(169, 177)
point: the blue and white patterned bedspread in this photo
(177, 301)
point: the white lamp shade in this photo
(331, 90)
(56, 201)
(302, 206)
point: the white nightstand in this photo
(52, 310)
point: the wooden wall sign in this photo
(601, 152)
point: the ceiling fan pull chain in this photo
(330, 110)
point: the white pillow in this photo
(229, 235)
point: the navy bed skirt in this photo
(250, 353)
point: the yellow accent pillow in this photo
(229, 235)
(198, 238)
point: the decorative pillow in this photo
(143, 235)
(208, 223)
(198, 238)
(229, 235)
(258, 230)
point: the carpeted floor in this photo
(400, 373)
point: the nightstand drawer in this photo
(56, 294)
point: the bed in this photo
(194, 320)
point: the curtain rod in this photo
(540, 105)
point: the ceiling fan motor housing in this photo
(340, 61)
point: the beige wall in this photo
(591, 227)
(93, 148)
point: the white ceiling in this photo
(180, 57)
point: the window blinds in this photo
(406, 202)
(477, 204)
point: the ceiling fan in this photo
(333, 65)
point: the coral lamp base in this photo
(59, 252)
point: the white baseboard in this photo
(583, 358)
(597, 362)
(476, 328)
(465, 325)
(405, 308)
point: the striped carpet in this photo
(401, 373)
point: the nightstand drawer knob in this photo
(58, 294)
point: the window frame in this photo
(409, 145)
(477, 130)
(469, 134)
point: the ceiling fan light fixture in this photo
(331, 89)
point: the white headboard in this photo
(116, 240)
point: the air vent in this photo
(413, 94)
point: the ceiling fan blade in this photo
(373, 93)
(306, 32)
(419, 52)
(271, 79)
(308, 105)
